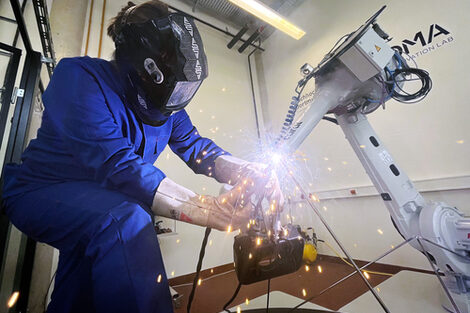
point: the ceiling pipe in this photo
(89, 27)
(212, 26)
(101, 28)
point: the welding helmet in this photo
(165, 63)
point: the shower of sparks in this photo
(380, 231)
(366, 275)
(320, 269)
(199, 282)
(284, 165)
(307, 268)
(247, 301)
(13, 298)
(159, 278)
(304, 292)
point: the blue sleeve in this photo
(198, 152)
(78, 108)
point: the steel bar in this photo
(351, 274)
(44, 27)
(447, 249)
(253, 94)
(21, 24)
(7, 19)
(327, 226)
(446, 290)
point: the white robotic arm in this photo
(352, 81)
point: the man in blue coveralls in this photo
(87, 185)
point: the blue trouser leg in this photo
(109, 254)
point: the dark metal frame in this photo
(30, 81)
(10, 77)
(42, 19)
(18, 134)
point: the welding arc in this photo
(198, 268)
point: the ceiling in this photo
(236, 17)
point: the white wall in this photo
(425, 138)
(223, 111)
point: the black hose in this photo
(198, 268)
(232, 298)
(267, 300)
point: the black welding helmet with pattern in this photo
(167, 64)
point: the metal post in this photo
(16, 143)
(10, 78)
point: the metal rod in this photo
(250, 40)
(317, 212)
(17, 33)
(447, 249)
(101, 28)
(237, 37)
(7, 19)
(253, 94)
(212, 26)
(439, 277)
(351, 274)
(195, 5)
(89, 27)
(21, 24)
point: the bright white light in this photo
(276, 158)
(265, 13)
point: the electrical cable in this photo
(198, 268)
(345, 261)
(405, 97)
(267, 300)
(232, 298)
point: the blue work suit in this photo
(86, 185)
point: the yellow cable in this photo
(345, 261)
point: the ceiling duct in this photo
(237, 18)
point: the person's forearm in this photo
(179, 203)
(228, 168)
